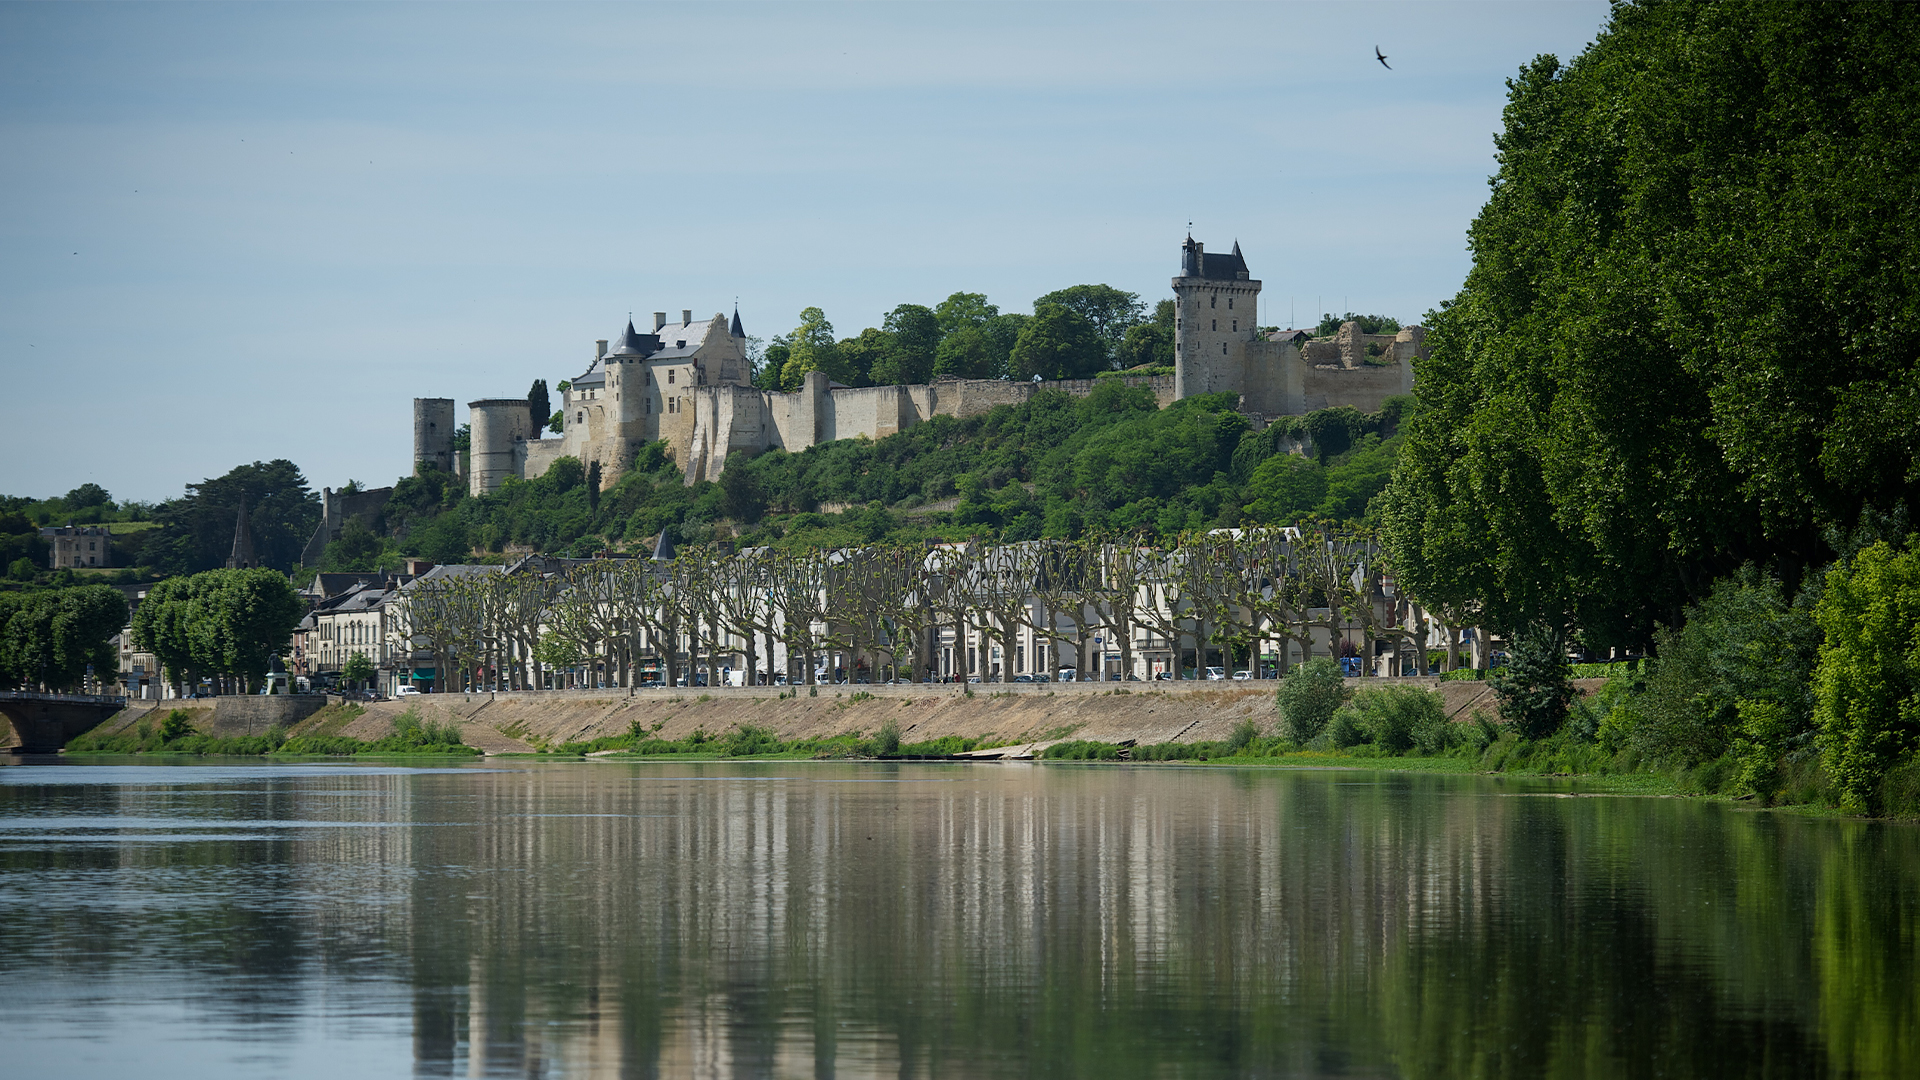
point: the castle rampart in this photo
(688, 384)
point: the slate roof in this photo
(1196, 261)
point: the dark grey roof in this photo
(634, 343)
(1195, 262)
(663, 547)
(736, 330)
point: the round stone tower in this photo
(500, 427)
(433, 432)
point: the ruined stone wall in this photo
(1365, 388)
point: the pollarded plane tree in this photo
(893, 609)
(590, 614)
(1064, 574)
(799, 588)
(1167, 604)
(1113, 590)
(648, 621)
(993, 598)
(742, 595)
(1229, 569)
(1267, 555)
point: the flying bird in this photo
(1382, 57)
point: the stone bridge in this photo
(44, 722)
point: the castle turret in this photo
(1217, 316)
(433, 432)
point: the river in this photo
(815, 919)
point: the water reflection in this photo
(865, 920)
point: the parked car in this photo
(1242, 675)
(1216, 674)
(406, 691)
(1068, 674)
(1023, 678)
(1163, 676)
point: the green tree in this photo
(1867, 683)
(358, 670)
(88, 495)
(1687, 339)
(968, 353)
(358, 548)
(962, 310)
(196, 531)
(913, 344)
(1111, 311)
(1058, 343)
(861, 356)
(811, 347)
(1535, 689)
(50, 638)
(539, 404)
(220, 622)
(1308, 697)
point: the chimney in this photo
(686, 316)
(659, 320)
(600, 348)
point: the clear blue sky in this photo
(243, 232)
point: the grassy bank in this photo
(175, 734)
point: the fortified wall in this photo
(689, 384)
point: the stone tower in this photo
(1218, 315)
(433, 432)
(501, 427)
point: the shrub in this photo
(1399, 718)
(1347, 728)
(1309, 696)
(1867, 687)
(1746, 642)
(887, 742)
(1534, 688)
(176, 726)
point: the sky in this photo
(239, 232)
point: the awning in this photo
(423, 673)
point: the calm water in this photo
(834, 920)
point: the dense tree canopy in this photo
(50, 638)
(196, 530)
(221, 622)
(1689, 337)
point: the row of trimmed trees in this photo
(1232, 592)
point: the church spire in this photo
(737, 330)
(242, 556)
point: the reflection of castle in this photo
(690, 385)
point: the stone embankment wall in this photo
(1145, 712)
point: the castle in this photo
(690, 385)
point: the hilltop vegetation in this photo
(1059, 466)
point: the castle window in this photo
(1216, 324)
(580, 417)
(1236, 326)
(1229, 303)
(1223, 348)
(1214, 300)
(669, 378)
